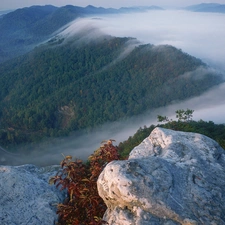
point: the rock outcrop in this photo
(171, 178)
(26, 197)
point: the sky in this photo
(13, 4)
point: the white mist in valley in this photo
(199, 34)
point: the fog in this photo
(79, 145)
(199, 34)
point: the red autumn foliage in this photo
(83, 206)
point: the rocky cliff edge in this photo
(171, 178)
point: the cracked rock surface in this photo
(26, 198)
(171, 178)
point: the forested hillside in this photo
(65, 86)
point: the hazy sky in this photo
(13, 4)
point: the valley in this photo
(74, 76)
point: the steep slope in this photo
(70, 85)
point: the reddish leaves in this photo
(83, 205)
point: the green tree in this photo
(162, 118)
(184, 115)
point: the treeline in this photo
(63, 87)
(210, 129)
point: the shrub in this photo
(83, 205)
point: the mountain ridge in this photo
(23, 29)
(207, 7)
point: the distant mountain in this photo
(139, 9)
(19, 30)
(3, 12)
(69, 85)
(207, 7)
(22, 29)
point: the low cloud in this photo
(199, 34)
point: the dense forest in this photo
(65, 86)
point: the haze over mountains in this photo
(90, 66)
(22, 29)
(210, 7)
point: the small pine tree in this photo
(184, 115)
(162, 118)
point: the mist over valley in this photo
(73, 83)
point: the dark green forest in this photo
(66, 86)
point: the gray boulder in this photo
(171, 178)
(26, 198)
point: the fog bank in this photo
(199, 34)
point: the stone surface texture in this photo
(171, 178)
(26, 198)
